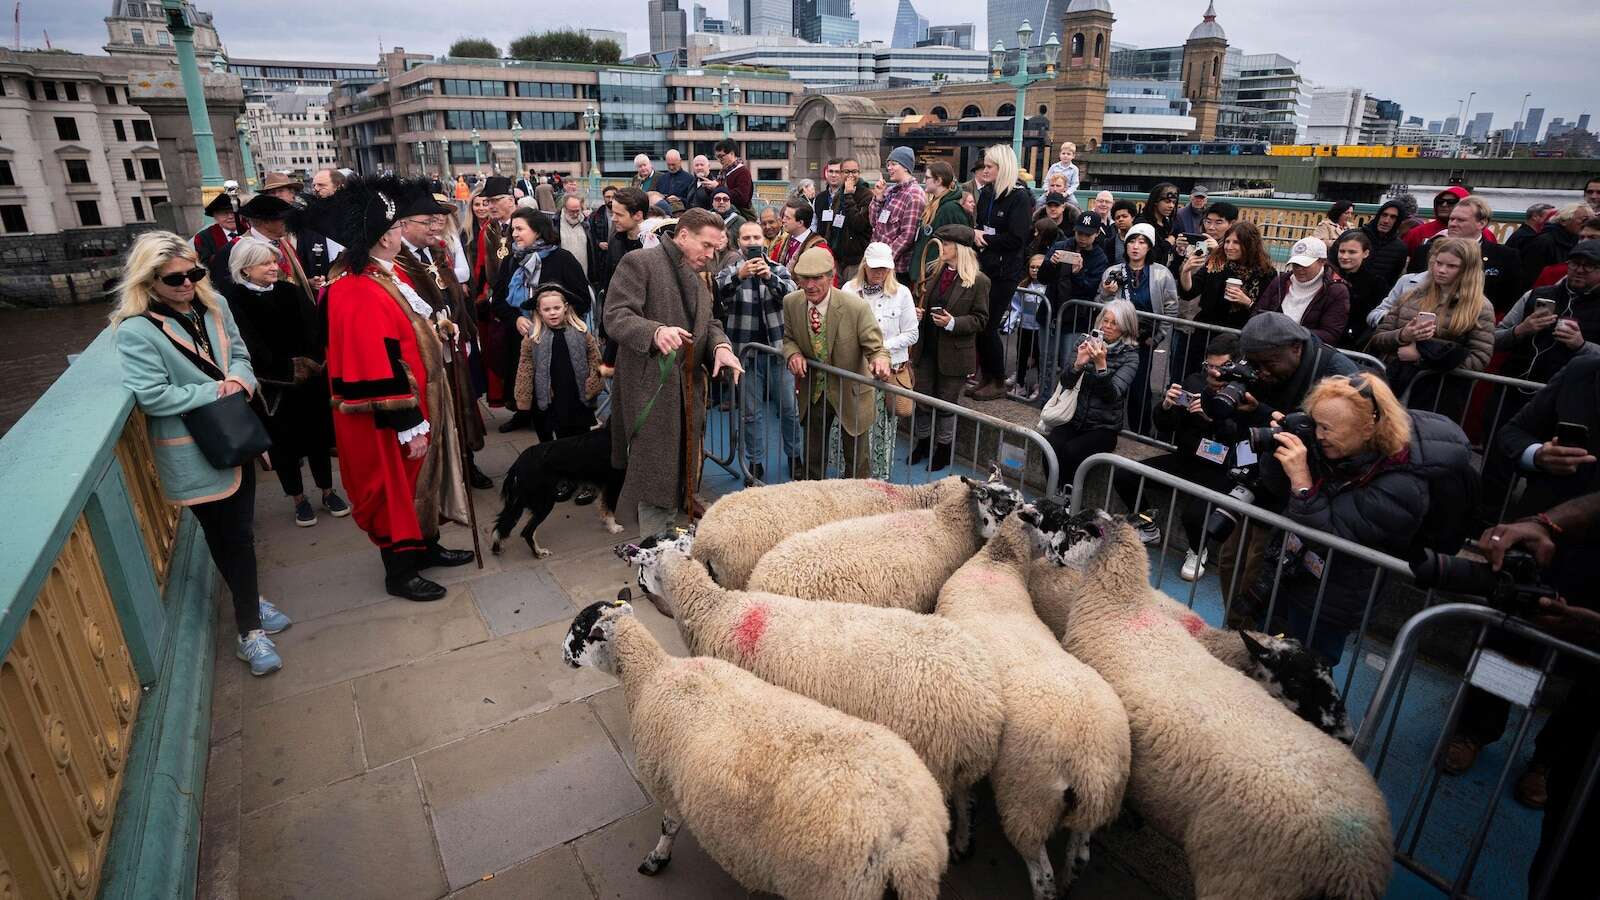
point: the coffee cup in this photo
(1234, 282)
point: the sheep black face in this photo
(995, 502)
(647, 555)
(1303, 682)
(1068, 539)
(588, 641)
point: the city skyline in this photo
(1333, 43)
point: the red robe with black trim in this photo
(378, 376)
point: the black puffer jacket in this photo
(1377, 503)
(1388, 259)
(1103, 400)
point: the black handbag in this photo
(227, 431)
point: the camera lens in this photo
(1223, 404)
(1263, 438)
(1222, 521)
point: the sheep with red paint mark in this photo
(920, 676)
(740, 527)
(788, 795)
(897, 559)
(1265, 805)
(1064, 749)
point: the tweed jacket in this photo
(957, 349)
(853, 341)
(166, 384)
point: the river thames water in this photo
(35, 350)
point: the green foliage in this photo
(565, 46)
(474, 48)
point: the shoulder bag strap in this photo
(204, 365)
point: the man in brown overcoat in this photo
(658, 309)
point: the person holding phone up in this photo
(1459, 333)
(750, 290)
(1551, 325)
(1074, 265)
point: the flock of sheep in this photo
(864, 653)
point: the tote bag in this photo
(1063, 404)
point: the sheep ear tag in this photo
(1257, 652)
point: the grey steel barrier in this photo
(1026, 460)
(1388, 701)
(1042, 339)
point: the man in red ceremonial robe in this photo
(223, 230)
(399, 456)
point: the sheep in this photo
(1282, 666)
(1265, 805)
(923, 678)
(737, 529)
(789, 796)
(1064, 750)
(896, 559)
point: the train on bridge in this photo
(1260, 148)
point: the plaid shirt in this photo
(754, 308)
(904, 204)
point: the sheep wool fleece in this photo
(921, 677)
(742, 526)
(1264, 804)
(897, 559)
(787, 795)
(1064, 753)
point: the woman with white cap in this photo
(1150, 288)
(897, 319)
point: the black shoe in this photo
(519, 420)
(416, 588)
(755, 472)
(920, 451)
(439, 556)
(564, 489)
(585, 495)
(941, 456)
(478, 480)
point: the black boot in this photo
(400, 577)
(564, 489)
(920, 451)
(519, 420)
(941, 456)
(586, 495)
(477, 479)
(436, 555)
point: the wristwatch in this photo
(1302, 493)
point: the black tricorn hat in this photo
(496, 186)
(359, 214)
(219, 204)
(265, 207)
(423, 202)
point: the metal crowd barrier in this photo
(1481, 403)
(1389, 700)
(1042, 338)
(1025, 458)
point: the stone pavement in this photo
(423, 750)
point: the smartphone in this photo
(1184, 399)
(1544, 304)
(754, 252)
(1074, 257)
(1572, 434)
(1427, 317)
(934, 309)
(1194, 238)
(1097, 334)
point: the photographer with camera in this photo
(1203, 455)
(1358, 465)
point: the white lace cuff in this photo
(409, 433)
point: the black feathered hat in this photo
(265, 207)
(358, 215)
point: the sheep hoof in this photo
(542, 553)
(653, 864)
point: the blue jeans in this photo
(768, 376)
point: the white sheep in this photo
(1064, 751)
(737, 529)
(789, 796)
(1282, 666)
(898, 559)
(921, 677)
(1265, 805)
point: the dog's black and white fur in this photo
(530, 485)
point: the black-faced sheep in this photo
(1064, 751)
(921, 677)
(1265, 805)
(742, 526)
(898, 559)
(789, 796)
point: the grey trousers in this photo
(655, 519)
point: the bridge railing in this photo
(106, 643)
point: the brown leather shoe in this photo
(993, 389)
(1533, 788)
(1459, 755)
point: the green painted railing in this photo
(106, 643)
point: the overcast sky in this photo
(1427, 55)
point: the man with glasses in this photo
(844, 215)
(1443, 203)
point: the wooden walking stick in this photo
(452, 358)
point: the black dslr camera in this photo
(1118, 277)
(1222, 521)
(1222, 404)
(1514, 590)
(1263, 439)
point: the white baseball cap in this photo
(878, 256)
(1307, 251)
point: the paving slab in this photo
(611, 708)
(552, 875)
(358, 641)
(299, 744)
(227, 676)
(571, 529)
(611, 857)
(409, 709)
(520, 599)
(217, 873)
(312, 588)
(592, 574)
(366, 837)
(505, 795)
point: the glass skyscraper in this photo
(909, 27)
(1006, 15)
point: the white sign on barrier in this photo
(1013, 456)
(1507, 680)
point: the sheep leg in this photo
(960, 825)
(1076, 858)
(657, 859)
(1041, 875)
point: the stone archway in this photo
(830, 125)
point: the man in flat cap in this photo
(824, 324)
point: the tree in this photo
(564, 46)
(474, 48)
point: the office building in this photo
(1478, 128)
(704, 24)
(669, 26)
(77, 153)
(817, 66)
(1336, 116)
(1583, 122)
(1145, 110)
(1274, 98)
(1428, 142)
(761, 18)
(1529, 132)
(910, 28)
(421, 118)
(620, 38)
(703, 45)
(261, 77)
(1414, 120)
(1043, 16)
(1451, 125)
(825, 21)
(139, 28)
(289, 131)
(959, 36)
(1436, 126)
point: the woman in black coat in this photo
(536, 258)
(1003, 232)
(282, 330)
(1351, 254)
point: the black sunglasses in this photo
(176, 279)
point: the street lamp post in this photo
(444, 158)
(245, 157)
(591, 124)
(516, 138)
(1520, 124)
(422, 159)
(726, 96)
(997, 57)
(477, 140)
(194, 95)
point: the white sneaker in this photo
(1194, 565)
(1149, 534)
